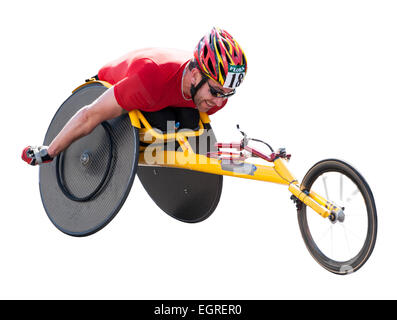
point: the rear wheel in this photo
(186, 195)
(341, 247)
(84, 188)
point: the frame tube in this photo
(197, 162)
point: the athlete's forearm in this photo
(85, 120)
(77, 127)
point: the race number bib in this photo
(235, 76)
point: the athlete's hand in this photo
(36, 155)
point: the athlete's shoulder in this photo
(160, 62)
(163, 55)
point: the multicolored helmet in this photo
(221, 58)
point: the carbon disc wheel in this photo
(84, 188)
(186, 195)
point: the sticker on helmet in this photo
(235, 76)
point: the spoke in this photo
(324, 234)
(351, 232)
(347, 240)
(325, 186)
(353, 194)
(355, 213)
(341, 187)
(332, 242)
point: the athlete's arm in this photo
(85, 120)
(141, 89)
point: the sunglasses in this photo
(219, 94)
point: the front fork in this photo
(323, 207)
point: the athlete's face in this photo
(205, 100)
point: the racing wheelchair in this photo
(84, 188)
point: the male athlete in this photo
(166, 85)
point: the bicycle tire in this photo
(351, 175)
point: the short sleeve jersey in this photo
(149, 79)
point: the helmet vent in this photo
(205, 51)
(228, 59)
(222, 70)
(218, 47)
(211, 66)
(226, 45)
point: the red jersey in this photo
(149, 79)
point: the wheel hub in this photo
(337, 216)
(85, 158)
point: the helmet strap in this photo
(194, 89)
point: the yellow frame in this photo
(188, 159)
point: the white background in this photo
(321, 82)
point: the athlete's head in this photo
(222, 65)
(221, 58)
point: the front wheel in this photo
(341, 247)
